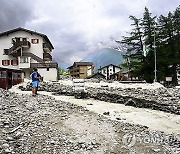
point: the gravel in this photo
(161, 98)
(42, 124)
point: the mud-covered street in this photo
(43, 124)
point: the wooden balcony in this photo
(15, 50)
(44, 65)
(24, 44)
(47, 47)
(47, 57)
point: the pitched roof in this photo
(29, 31)
(109, 65)
(81, 64)
(96, 74)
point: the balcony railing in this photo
(43, 65)
(46, 47)
(14, 50)
(22, 44)
(47, 57)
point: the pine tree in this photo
(134, 57)
(149, 29)
(169, 31)
(165, 34)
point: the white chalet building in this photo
(22, 49)
(109, 70)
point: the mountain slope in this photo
(104, 57)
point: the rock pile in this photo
(65, 77)
(158, 99)
(163, 99)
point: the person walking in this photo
(35, 80)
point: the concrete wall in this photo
(50, 75)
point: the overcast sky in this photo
(78, 27)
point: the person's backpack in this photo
(31, 75)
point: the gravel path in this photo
(44, 125)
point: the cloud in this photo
(78, 27)
(14, 13)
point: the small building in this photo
(118, 76)
(81, 69)
(23, 49)
(97, 76)
(10, 77)
(108, 70)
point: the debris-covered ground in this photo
(42, 124)
(153, 96)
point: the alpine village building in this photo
(21, 50)
(81, 69)
(109, 70)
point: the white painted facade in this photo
(109, 70)
(89, 70)
(47, 75)
(24, 60)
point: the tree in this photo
(142, 33)
(165, 34)
(170, 40)
(134, 57)
(62, 71)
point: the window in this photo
(24, 39)
(19, 75)
(14, 62)
(24, 60)
(47, 69)
(5, 62)
(17, 39)
(14, 75)
(3, 74)
(34, 41)
(6, 51)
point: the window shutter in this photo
(8, 62)
(2, 62)
(11, 62)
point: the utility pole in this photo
(155, 58)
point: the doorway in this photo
(9, 79)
